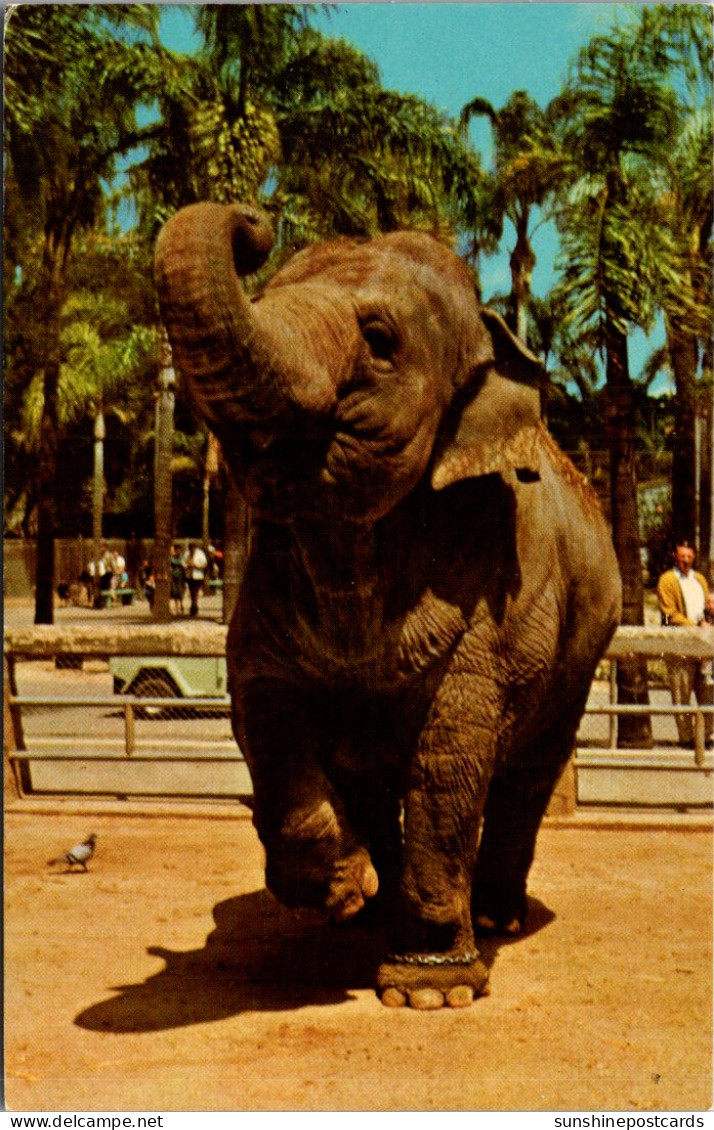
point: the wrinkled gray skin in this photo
(430, 583)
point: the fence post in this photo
(129, 728)
(613, 700)
(11, 787)
(699, 739)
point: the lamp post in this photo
(163, 479)
(100, 432)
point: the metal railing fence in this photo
(203, 639)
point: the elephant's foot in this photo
(314, 862)
(434, 964)
(483, 924)
(429, 981)
(353, 880)
(498, 911)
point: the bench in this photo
(118, 596)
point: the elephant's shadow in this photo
(260, 957)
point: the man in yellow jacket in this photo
(684, 599)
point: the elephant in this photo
(430, 585)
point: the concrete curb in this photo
(129, 809)
(609, 819)
(634, 819)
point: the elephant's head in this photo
(362, 366)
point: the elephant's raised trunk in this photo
(218, 342)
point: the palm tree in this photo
(676, 42)
(358, 159)
(669, 106)
(618, 117)
(64, 67)
(687, 209)
(345, 156)
(526, 171)
(101, 358)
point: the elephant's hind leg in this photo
(517, 799)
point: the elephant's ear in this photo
(513, 358)
(495, 421)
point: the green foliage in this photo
(527, 170)
(246, 45)
(526, 165)
(613, 270)
(656, 531)
(272, 110)
(108, 360)
(75, 76)
(626, 222)
(69, 109)
(369, 160)
(96, 370)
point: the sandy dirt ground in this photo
(167, 979)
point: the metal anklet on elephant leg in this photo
(432, 958)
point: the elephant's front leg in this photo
(434, 960)
(313, 857)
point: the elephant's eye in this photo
(381, 340)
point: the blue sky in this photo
(448, 54)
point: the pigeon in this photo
(79, 854)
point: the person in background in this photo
(683, 596)
(150, 588)
(147, 583)
(708, 664)
(118, 571)
(85, 584)
(107, 567)
(178, 579)
(195, 563)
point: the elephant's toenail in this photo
(370, 882)
(426, 999)
(460, 996)
(394, 998)
(485, 923)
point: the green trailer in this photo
(162, 676)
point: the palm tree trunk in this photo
(683, 354)
(163, 487)
(50, 305)
(634, 731)
(706, 493)
(46, 505)
(522, 262)
(98, 501)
